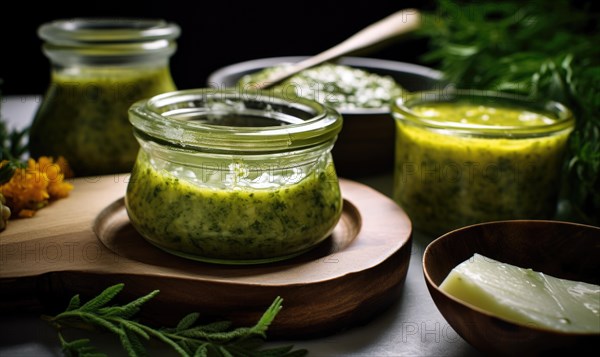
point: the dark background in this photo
(213, 33)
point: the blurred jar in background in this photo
(99, 68)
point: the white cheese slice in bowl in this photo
(525, 296)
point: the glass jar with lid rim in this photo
(100, 66)
(470, 156)
(234, 177)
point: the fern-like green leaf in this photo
(224, 352)
(136, 343)
(201, 351)
(133, 327)
(212, 339)
(98, 321)
(189, 346)
(217, 336)
(130, 309)
(217, 326)
(168, 341)
(267, 318)
(187, 321)
(132, 344)
(74, 303)
(127, 345)
(104, 298)
(78, 348)
(75, 344)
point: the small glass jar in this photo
(466, 156)
(233, 177)
(99, 68)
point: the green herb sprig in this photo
(11, 149)
(538, 48)
(188, 338)
(13, 145)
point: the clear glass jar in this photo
(100, 67)
(233, 177)
(465, 157)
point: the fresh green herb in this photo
(12, 148)
(188, 338)
(12, 142)
(543, 49)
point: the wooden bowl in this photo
(564, 250)
(365, 145)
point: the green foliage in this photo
(542, 49)
(11, 141)
(188, 338)
(12, 148)
(79, 348)
(7, 171)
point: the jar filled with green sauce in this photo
(100, 67)
(234, 177)
(465, 157)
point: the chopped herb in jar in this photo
(84, 117)
(238, 223)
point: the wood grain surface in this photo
(84, 243)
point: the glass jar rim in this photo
(561, 115)
(307, 123)
(80, 31)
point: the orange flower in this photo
(31, 188)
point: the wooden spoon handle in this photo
(395, 24)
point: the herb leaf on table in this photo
(187, 338)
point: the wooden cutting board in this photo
(84, 243)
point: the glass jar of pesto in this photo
(99, 68)
(233, 177)
(466, 156)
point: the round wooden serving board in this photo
(84, 243)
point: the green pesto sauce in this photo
(481, 115)
(241, 224)
(446, 181)
(84, 117)
(338, 86)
